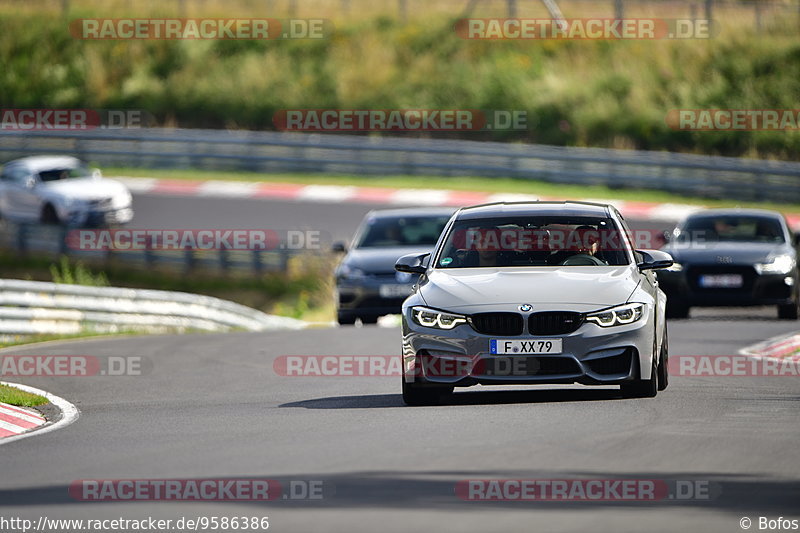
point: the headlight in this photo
(676, 267)
(431, 318)
(781, 264)
(617, 316)
(347, 272)
(122, 200)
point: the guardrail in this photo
(52, 241)
(34, 307)
(271, 152)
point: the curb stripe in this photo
(16, 424)
(69, 414)
(19, 418)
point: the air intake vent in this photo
(497, 323)
(554, 322)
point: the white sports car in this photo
(61, 190)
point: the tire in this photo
(369, 319)
(663, 363)
(642, 388)
(416, 395)
(677, 309)
(49, 215)
(790, 311)
(345, 319)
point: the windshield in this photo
(57, 174)
(386, 232)
(732, 229)
(534, 241)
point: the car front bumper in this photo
(371, 296)
(757, 289)
(96, 218)
(591, 355)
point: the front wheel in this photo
(790, 311)
(49, 215)
(414, 394)
(345, 319)
(642, 388)
(663, 364)
(677, 308)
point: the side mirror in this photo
(339, 247)
(412, 263)
(654, 259)
(30, 182)
(796, 239)
(96, 174)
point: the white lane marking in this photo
(27, 417)
(69, 413)
(228, 189)
(327, 193)
(511, 197)
(140, 185)
(420, 196)
(672, 212)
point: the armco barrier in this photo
(263, 151)
(33, 307)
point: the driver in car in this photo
(579, 248)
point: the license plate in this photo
(524, 347)
(724, 281)
(394, 291)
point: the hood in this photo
(85, 188)
(590, 287)
(379, 260)
(741, 253)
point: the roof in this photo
(38, 163)
(570, 209)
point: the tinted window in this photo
(534, 241)
(732, 228)
(64, 173)
(385, 232)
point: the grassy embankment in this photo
(579, 93)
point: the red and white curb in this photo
(384, 195)
(21, 424)
(17, 420)
(783, 347)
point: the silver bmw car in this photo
(531, 293)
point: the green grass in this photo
(490, 185)
(20, 398)
(20, 340)
(578, 93)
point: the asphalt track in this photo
(212, 406)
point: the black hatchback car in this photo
(732, 257)
(367, 285)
